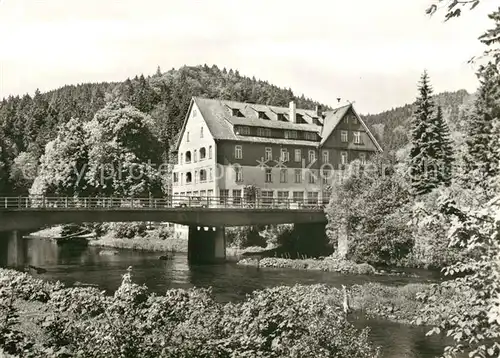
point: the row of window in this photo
(194, 158)
(285, 155)
(344, 137)
(267, 132)
(198, 177)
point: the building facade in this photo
(285, 153)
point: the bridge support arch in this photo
(206, 244)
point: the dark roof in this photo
(220, 121)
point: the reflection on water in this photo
(229, 282)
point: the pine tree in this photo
(481, 157)
(425, 151)
(446, 157)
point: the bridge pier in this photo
(206, 245)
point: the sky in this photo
(371, 52)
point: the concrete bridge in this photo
(206, 217)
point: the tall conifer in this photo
(446, 157)
(425, 153)
(482, 157)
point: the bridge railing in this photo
(41, 202)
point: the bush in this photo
(375, 209)
(128, 230)
(279, 322)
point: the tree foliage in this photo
(62, 166)
(373, 207)
(124, 159)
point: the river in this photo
(229, 282)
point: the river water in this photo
(229, 281)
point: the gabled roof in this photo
(332, 119)
(220, 121)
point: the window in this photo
(357, 137)
(326, 176)
(210, 152)
(238, 152)
(188, 178)
(269, 176)
(312, 197)
(269, 154)
(195, 156)
(298, 175)
(195, 112)
(188, 157)
(238, 175)
(343, 158)
(237, 197)
(176, 177)
(203, 193)
(326, 158)
(298, 155)
(182, 158)
(262, 115)
(309, 136)
(211, 174)
(203, 175)
(285, 156)
(298, 196)
(282, 196)
(291, 134)
(312, 177)
(326, 197)
(187, 137)
(312, 156)
(182, 178)
(210, 193)
(264, 132)
(346, 119)
(236, 112)
(343, 136)
(196, 176)
(223, 195)
(267, 197)
(354, 120)
(283, 175)
(362, 158)
(201, 132)
(244, 130)
(203, 153)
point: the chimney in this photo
(318, 111)
(293, 110)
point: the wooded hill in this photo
(392, 127)
(28, 123)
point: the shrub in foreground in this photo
(300, 321)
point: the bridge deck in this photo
(33, 212)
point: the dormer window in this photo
(235, 112)
(262, 115)
(299, 118)
(281, 117)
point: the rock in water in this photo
(108, 252)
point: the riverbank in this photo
(326, 264)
